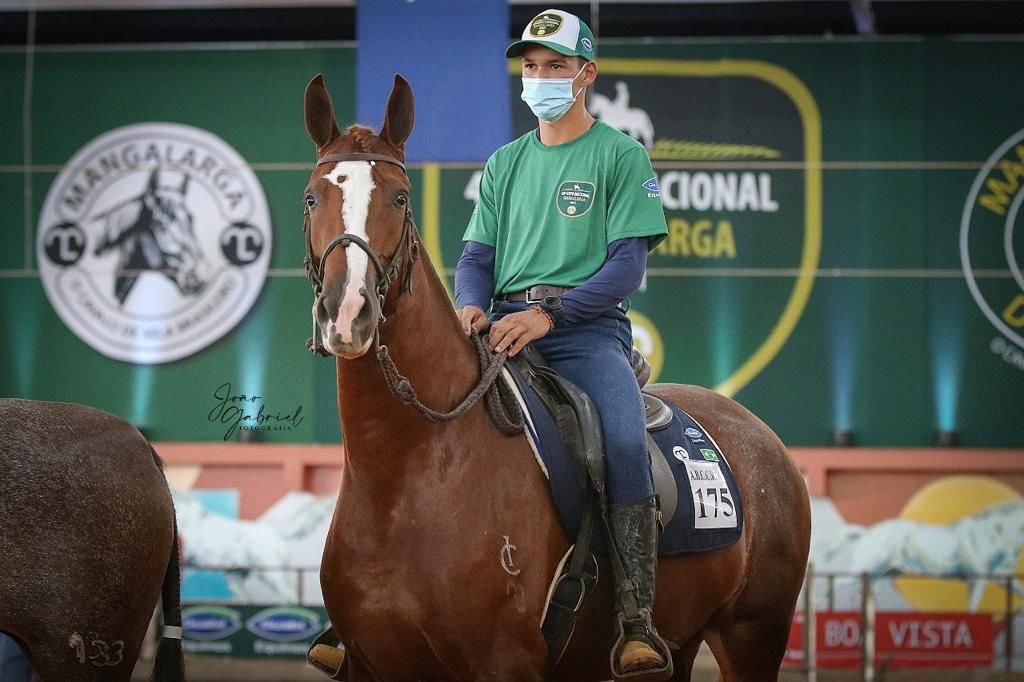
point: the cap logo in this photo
(545, 24)
(587, 45)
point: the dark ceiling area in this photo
(620, 20)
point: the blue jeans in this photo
(13, 666)
(594, 355)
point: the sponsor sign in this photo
(154, 241)
(902, 640)
(251, 631)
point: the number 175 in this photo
(717, 498)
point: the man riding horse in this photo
(559, 239)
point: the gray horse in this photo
(88, 542)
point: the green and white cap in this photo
(560, 31)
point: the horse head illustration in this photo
(154, 233)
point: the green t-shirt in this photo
(551, 211)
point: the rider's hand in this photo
(472, 318)
(514, 331)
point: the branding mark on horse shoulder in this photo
(99, 652)
(506, 557)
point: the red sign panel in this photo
(902, 640)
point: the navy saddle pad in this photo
(709, 514)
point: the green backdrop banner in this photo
(842, 251)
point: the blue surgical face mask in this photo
(550, 98)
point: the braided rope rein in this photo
(501, 404)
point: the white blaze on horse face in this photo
(357, 187)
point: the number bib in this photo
(712, 503)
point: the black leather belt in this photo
(534, 294)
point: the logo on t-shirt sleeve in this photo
(651, 185)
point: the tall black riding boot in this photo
(639, 653)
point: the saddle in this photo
(579, 425)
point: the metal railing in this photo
(808, 606)
(868, 611)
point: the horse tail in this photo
(169, 665)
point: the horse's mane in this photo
(117, 222)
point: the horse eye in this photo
(310, 201)
(401, 200)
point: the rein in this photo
(500, 404)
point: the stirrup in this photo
(660, 674)
(325, 656)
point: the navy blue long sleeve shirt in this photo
(619, 276)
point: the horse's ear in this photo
(153, 180)
(400, 114)
(320, 122)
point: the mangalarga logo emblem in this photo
(988, 233)
(154, 241)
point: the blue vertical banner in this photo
(452, 52)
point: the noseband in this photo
(385, 276)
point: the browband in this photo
(359, 156)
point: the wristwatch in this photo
(552, 305)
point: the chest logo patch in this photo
(574, 198)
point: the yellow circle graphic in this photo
(944, 501)
(648, 340)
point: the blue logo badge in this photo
(587, 45)
(284, 624)
(210, 622)
(692, 432)
(651, 185)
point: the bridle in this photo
(500, 405)
(407, 243)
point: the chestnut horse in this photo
(444, 540)
(87, 544)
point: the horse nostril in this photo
(320, 310)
